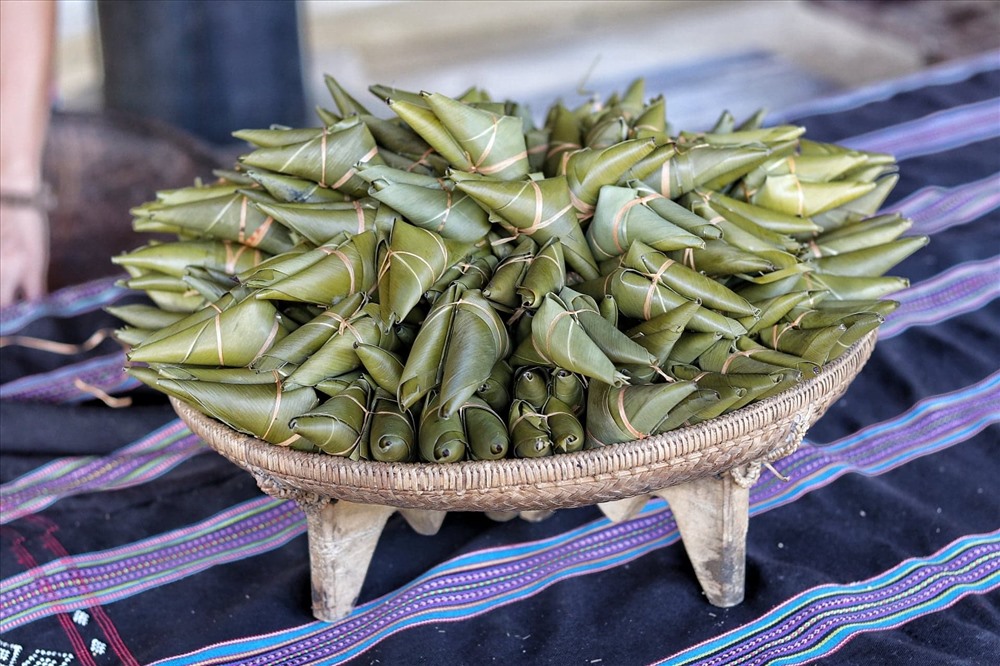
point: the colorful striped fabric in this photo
(138, 463)
(817, 622)
(938, 132)
(67, 302)
(61, 385)
(934, 209)
(242, 531)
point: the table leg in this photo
(712, 515)
(342, 539)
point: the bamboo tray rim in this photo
(574, 479)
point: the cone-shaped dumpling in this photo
(541, 209)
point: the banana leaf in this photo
(423, 366)
(339, 425)
(485, 431)
(768, 136)
(627, 413)
(473, 272)
(332, 386)
(640, 297)
(562, 341)
(675, 213)
(431, 204)
(510, 272)
(773, 310)
(830, 312)
(622, 216)
(261, 410)
(346, 104)
(858, 208)
(494, 143)
(659, 334)
(840, 287)
(729, 398)
(690, 284)
(495, 391)
(229, 217)
(477, 341)
(531, 385)
(866, 233)
(346, 269)
(814, 344)
(565, 430)
(322, 222)
(529, 433)
(329, 158)
(589, 169)
(280, 266)
(693, 407)
(142, 315)
(746, 234)
(608, 309)
(788, 194)
(383, 366)
(417, 258)
(673, 170)
(618, 347)
(392, 437)
(753, 387)
(564, 138)
(759, 216)
(720, 259)
(441, 438)
(130, 336)
(540, 209)
(568, 388)
(233, 337)
(608, 131)
(748, 346)
(872, 261)
(651, 122)
(289, 189)
(174, 258)
(339, 353)
(546, 273)
(295, 348)
(419, 117)
(690, 345)
(724, 124)
(245, 376)
(727, 357)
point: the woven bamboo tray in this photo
(704, 471)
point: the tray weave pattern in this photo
(760, 431)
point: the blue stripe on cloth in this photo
(815, 623)
(934, 209)
(944, 130)
(144, 460)
(61, 386)
(943, 74)
(481, 581)
(67, 302)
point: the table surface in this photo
(124, 539)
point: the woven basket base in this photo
(704, 472)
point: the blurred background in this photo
(116, 137)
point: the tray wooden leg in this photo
(342, 538)
(424, 521)
(712, 515)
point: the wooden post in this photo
(712, 514)
(342, 539)
(424, 521)
(618, 511)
